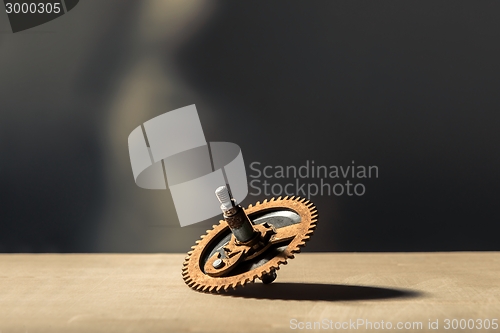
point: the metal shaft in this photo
(235, 216)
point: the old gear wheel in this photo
(293, 221)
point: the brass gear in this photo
(193, 272)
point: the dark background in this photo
(411, 87)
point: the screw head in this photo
(218, 263)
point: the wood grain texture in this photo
(146, 293)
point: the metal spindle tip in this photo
(223, 194)
(224, 197)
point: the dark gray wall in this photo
(411, 87)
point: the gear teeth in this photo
(211, 285)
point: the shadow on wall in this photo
(407, 87)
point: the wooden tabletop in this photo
(145, 293)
